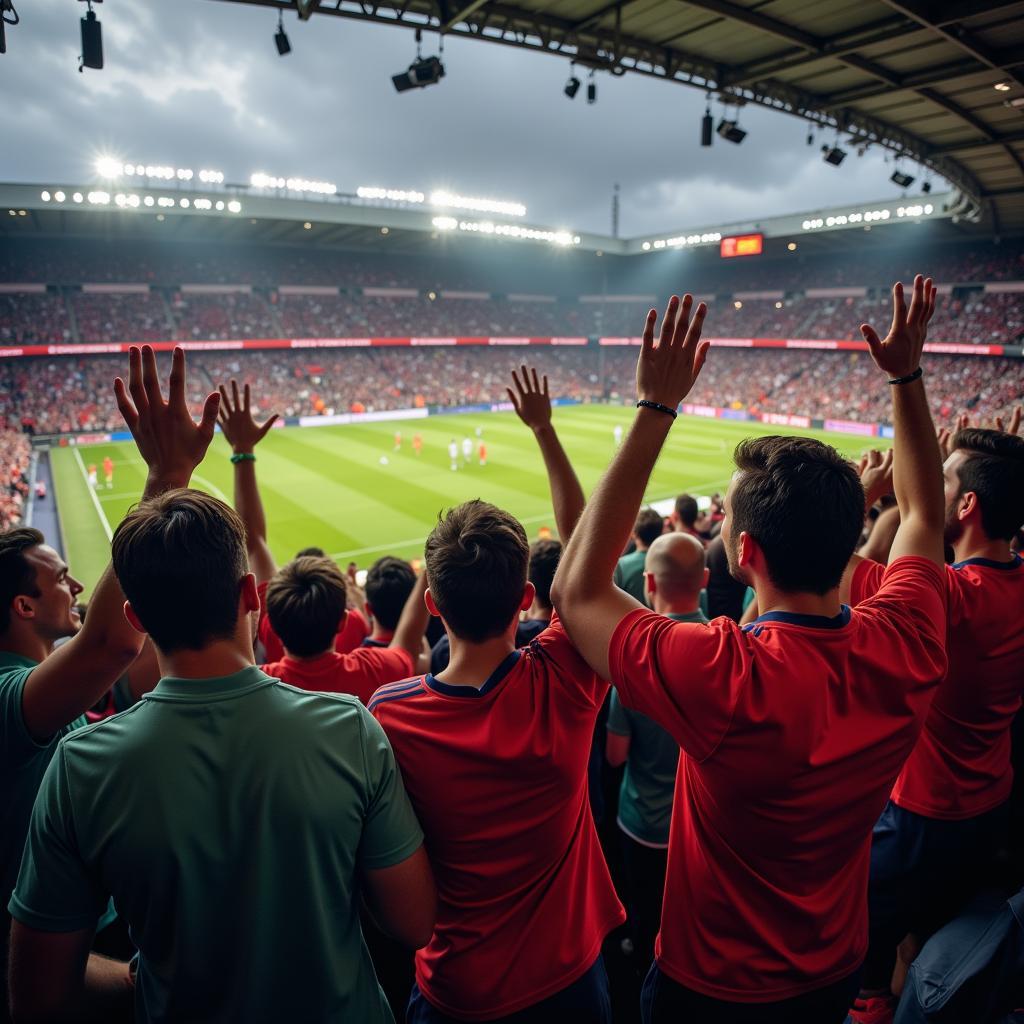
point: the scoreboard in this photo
(742, 245)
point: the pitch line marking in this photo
(104, 522)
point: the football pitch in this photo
(327, 486)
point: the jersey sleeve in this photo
(56, 892)
(554, 645)
(687, 677)
(867, 578)
(618, 718)
(18, 745)
(391, 832)
(369, 668)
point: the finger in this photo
(138, 392)
(176, 383)
(679, 335)
(874, 343)
(536, 382)
(899, 307)
(546, 392)
(874, 458)
(526, 378)
(999, 425)
(236, 404)
(225, 405)
(124, 405)
(209, 420)
(702, 355)
(916, 300)
(515, 380)
(246, 396)
(1015, 419)
(150, 376)
(669, 322)
(512, 397)
(887, 461)
(932, 297)
(647, 339)
(696, 325)
(271, 420)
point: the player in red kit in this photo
(108, 470)
(792, 731)
(948, 809)
(398, 440)
(417, 444)
(482, 452)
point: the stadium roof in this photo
(938, 81)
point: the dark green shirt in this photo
(629, 574)
(645, 797)
(230, 819)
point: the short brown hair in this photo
(477, 557)
(994, 471)
(17, 575)
(649, 526)
(180, 559)
(544, 558)
(305, 603)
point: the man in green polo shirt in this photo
(674, 576)
(235, 820)
(629, 573)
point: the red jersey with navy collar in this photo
(498, 779)
(354, 629)
(791, 733)
(359, 672)
(961, 766)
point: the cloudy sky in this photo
(199, 83)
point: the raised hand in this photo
(666, 372)
(876, 475)
(1013, 427)
(242, 432)
(531, 400)
(166, 435)
(945, 439)
(899, 354)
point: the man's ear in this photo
(968, 505)
(650, 584)
(133, 619)
(249, 594)
(23, 608)
(707, 576)
(529, 593)
(428, 597)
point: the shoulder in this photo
(395, 693)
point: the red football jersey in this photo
(359, 672)
(961, 764)
(354, 630)
(792, 731)
(498, 779)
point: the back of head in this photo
(648, 526)
(687, 510)
(804, 505)
(311, 553)
(180, 559)
(476, 565)
(389, 582)
(544, 556)
(993, 468)
(676, 561)
(17, 575)
(305, 603)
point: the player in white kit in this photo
(618, 435)
(453, 453)
(467, 450)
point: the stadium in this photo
(379, 322)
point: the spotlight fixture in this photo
(573, 85)
(1002, 86)
(280, 37)
(591, 89)
(926, 187)
(810, 136)
(422, 72)
(92, 40)
(833, 155)
(706, 128)
(731, 131)
(901, 179)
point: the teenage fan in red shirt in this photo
(948, 809)
(494, 754)
(792, 731)
(305, 601)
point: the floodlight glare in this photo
(108, 167)
(901, 179)
(421, 73)
(833, 155)
(731, 131)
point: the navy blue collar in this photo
(990, 563)
(807, 621)
(452, 690)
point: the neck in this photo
(308, 657)
(221, 658)
(975, 544)
(682, 606)
(385, 636)
(539, 611)
(771, 599)
(28, 645)
(473, 664)
(639, 545)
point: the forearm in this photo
(917, 465)
(108, 994)
(248, 503)
(566, 493)
(603, 530)
(413, 622)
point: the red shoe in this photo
(874, 1010)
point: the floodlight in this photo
(591, 91)
(706, 128)
(901, 179)
(280, 37)
(833, 155)
(421, 73)
(926, 187)
(92, 42)
(731, 131)
(108, 167)
(572, 87)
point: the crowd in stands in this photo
(808, 699)
(107, 317)
(15, 458)
(223, 317)
(29, 316)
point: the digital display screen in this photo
(742, 245)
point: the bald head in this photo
(676, 563)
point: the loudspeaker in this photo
(92, 42)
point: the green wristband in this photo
(243, 457)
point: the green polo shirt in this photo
(230, 818)
(23, 762)
(645, 796)
(629, 574)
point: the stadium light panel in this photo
(572, 87)
(833, 155)
(420, 73)
(901, 179)
(109, 167)
(731, 131)
(449, 200)
(394, 195)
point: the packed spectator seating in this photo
(222, 317)
(29, 316)
(120, 317)
(15, 457)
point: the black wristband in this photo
(909, 377)
(644, 404)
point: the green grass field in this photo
(325, 486)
